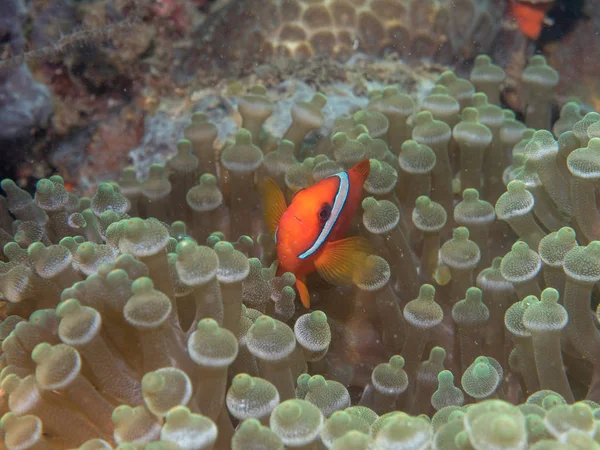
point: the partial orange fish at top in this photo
(529, 16)
(310, 232)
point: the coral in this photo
(577, 83)
(152, 314)
(26, 104)
(337, 28)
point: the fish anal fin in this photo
(303, 291)
(339, 260)
(274, 205)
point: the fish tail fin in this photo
(303, 291)
(362, 168)
(274, 205)
(339, 260)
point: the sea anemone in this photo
(152, 315)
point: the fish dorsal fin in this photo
(339, 260)
(274, 205)
(363, 168)
(303, 291)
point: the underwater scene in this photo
(300, 224)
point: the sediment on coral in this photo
(152, 315)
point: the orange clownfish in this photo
(530, 17)
(309, 233)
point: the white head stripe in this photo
(338, 204)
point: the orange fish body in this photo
(529, 17)
(310, 232)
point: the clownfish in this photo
(529, 17)
(309, 233)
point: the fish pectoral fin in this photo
(339, 260)
(303, 291)
(274, 205)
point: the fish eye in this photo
(325, 212)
